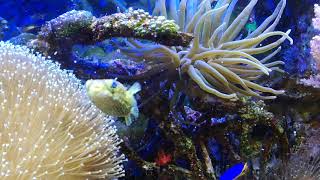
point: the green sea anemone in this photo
(219, 59)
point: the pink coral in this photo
(316, 20)
(313, 81)
(315, 42)
(315, 49)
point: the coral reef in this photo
(313, 80)
(297, 57)
(304, 161)
(315, 42)
(210, 52)
(300, 167)
(3, 27)
(315, 48)
(139, 24)
(49, 127)
(82, 27)
(28, 16)
(219, 59)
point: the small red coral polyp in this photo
(163, 158)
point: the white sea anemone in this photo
(49, 128)
(221, 59)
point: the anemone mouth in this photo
(219, 59)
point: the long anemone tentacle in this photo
(220, 59)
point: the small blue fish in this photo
(234, 172)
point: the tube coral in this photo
(49, 128)
(218, 60)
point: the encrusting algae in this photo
(113, 98)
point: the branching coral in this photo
(219, 60)
(49, 127)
